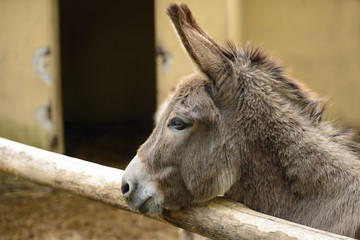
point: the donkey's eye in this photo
(178, 124)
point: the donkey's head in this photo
(185, 158)
(208, 130)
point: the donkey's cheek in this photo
(206, 186)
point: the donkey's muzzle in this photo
(139, 190)
(139, 198)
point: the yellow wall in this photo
(24, 26)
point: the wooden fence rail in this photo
(217, 219)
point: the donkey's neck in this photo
(288, 161)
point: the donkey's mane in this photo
(310, 106)
(289, 87)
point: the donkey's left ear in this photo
(211, 58)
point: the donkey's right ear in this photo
(211, 58)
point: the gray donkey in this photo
(243, 129)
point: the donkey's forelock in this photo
(194, 99)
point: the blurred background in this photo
(84, 78)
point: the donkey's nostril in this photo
(125, 188)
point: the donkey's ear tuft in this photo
(202, 49)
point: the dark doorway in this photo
(108, 77)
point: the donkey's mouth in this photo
(143, 209)
(150, 207)
(145, 206)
